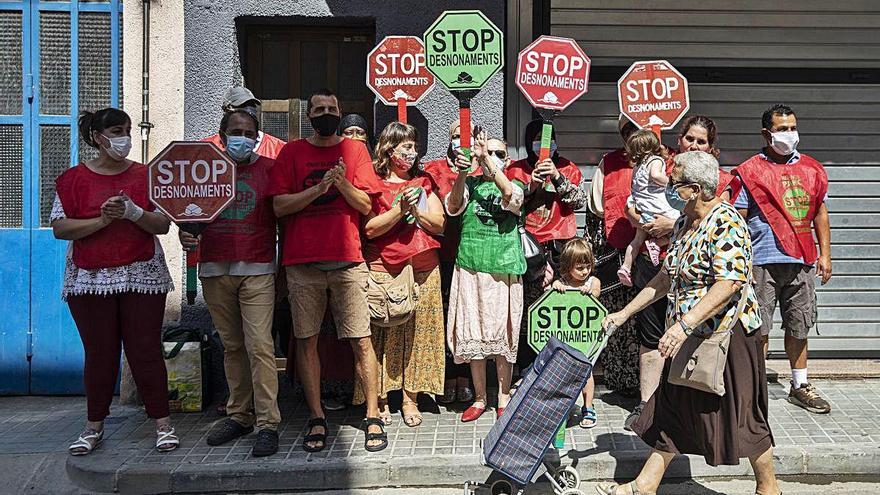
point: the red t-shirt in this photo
(552, 219)
(328, 229)
(82, 192)
(405, 242)
(269, 145)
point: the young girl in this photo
(576, 267)
(648, 196)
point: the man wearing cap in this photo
(241, 97)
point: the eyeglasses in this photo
(499, 153)
(675, 185)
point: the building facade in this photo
(59, 58)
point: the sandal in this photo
(611, 488)
(371, 437)
(411, 419)
(315, 437)
(166, 439)
(385, 412)
(589, 418)
(88, 441)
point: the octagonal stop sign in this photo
(396, 69)
(653, 94)
(552, 72)
(463, 48)
(571, 317)
(192, 181)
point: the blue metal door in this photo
(65, 58)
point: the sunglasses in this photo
(499, 153)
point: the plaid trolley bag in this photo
(518, 442)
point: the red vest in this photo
(616, 188)
(789, 197)
(404, 241)
(82, 192)
(552, 219)
(245, 230)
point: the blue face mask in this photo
(240, 148)
(674, 199)
(536, 147)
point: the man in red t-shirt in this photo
(322, 188)
(238, 98)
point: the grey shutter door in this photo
(839, 123)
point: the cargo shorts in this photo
(347, 287)
(793, 286)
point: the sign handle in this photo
(192, 260)
(656, 129)
(401, 110)
(464, 116)
(546, 138)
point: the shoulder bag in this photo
(392, 300)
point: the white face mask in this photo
(119, 147)
(784, 143)
(497, 165)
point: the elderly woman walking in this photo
(707, 272)
(487, 300)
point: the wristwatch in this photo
(688, 330)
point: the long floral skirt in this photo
(412, 355)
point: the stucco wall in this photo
(166, 101)
(212, 59)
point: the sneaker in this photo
(266, 444)
(225, 431)
(332, 404)
(633, 416)
(807, 397)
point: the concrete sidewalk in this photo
(441, 452)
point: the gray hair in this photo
(701, 168)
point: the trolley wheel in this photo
(571, 491)
(568, 477)
(502, 487)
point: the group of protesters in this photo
(696, 249)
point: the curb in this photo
(114, 474)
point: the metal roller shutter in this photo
(839, 123)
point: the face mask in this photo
(325, 125)
(536, 147)
(674, 199)
(240, 148)
(454, 149)
(498, 162)
(119, 147)
(784, 143)
(404, 160)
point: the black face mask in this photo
(325, 125)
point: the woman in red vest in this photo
(554, 194)
(115, 278)
(237, 270)
(402, 236)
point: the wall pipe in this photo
(145, 123)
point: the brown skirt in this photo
(723, 430)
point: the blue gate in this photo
(58, 58)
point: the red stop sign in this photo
(652, 94)
(552, 72)
(396, 69)
(192, 182)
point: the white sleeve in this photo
(595, 196)
(516, 200)
(57, 210)
(465, 197)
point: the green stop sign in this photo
(463, 49)
(571, 317)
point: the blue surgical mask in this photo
(674, 199)
(240, 148)
(536, 147)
